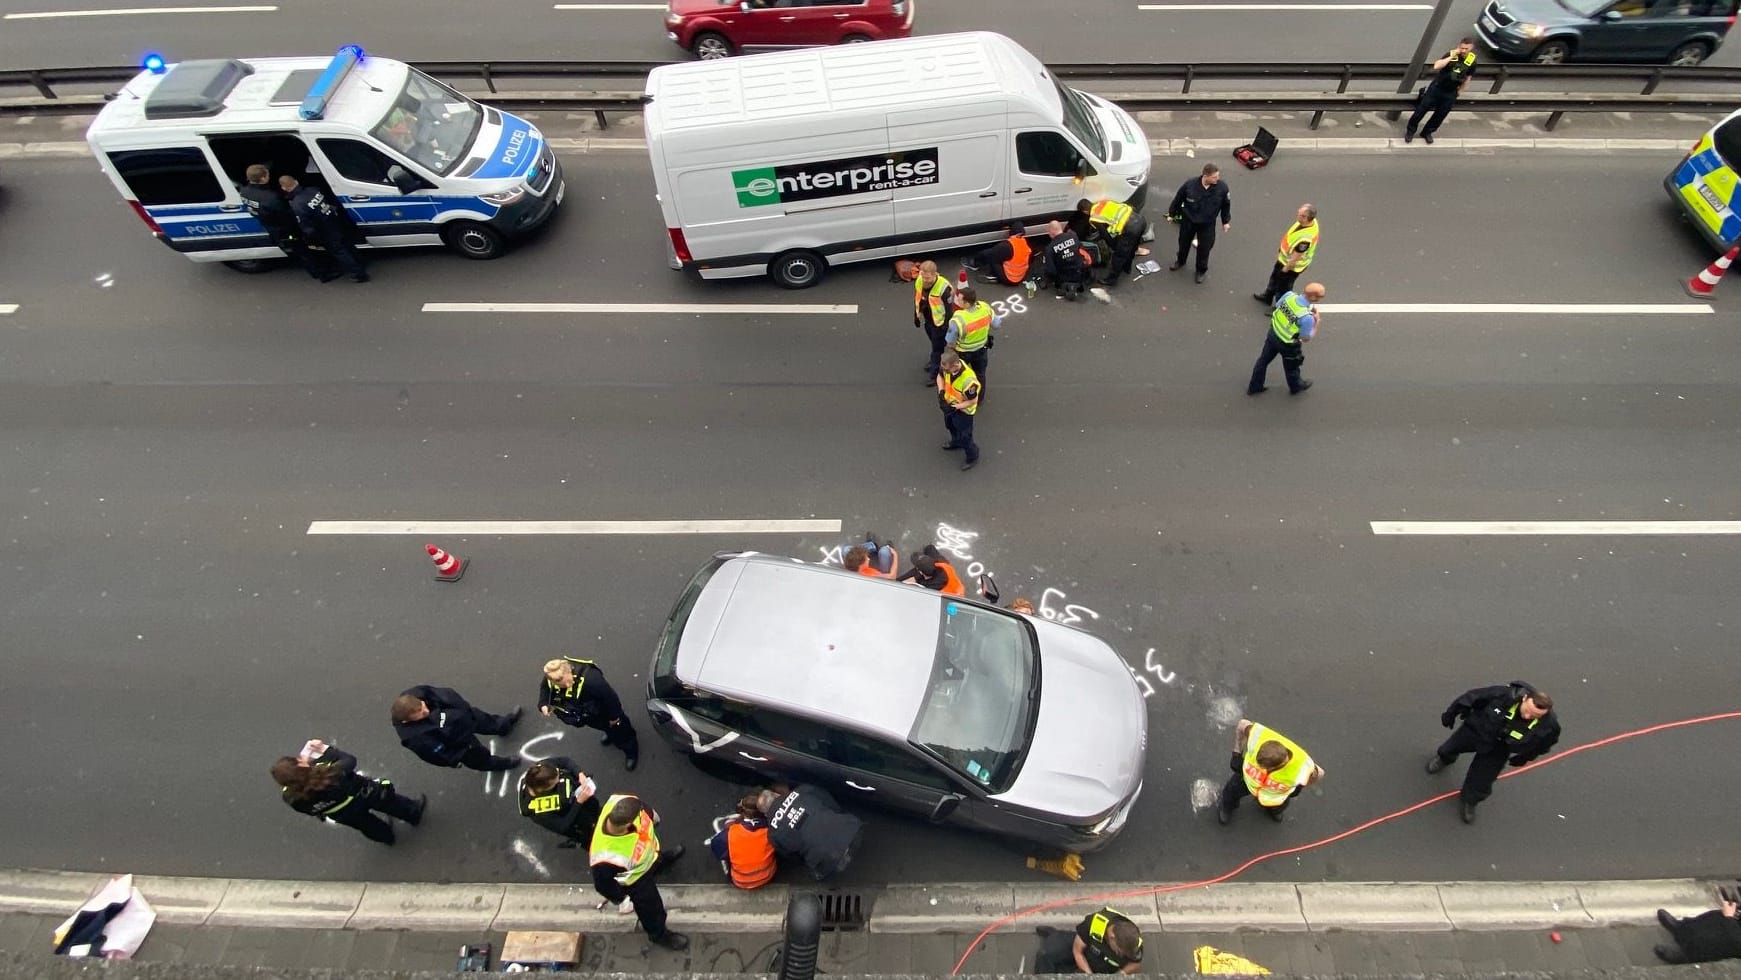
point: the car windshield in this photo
(983, 693)
(1585, 8)
(1079, 119)
(430, 123)
(665, 657)
(1726, 140)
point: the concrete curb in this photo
(942, 908)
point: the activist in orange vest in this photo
(932, 571)
(857, 559)
(1008, 260)
(742, 846)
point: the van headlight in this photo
(505, 198)
(1138, 180)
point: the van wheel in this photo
(798, 270)
(252, 266)
(1689, 54)
(1552, 53)
(472, 240)
(709, 46)
(856, 39)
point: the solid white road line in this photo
(1579, 309)
(574, 527)
(129, 11)
(7, 309)
(1538, 528)
(1219, 7)
(811, 308)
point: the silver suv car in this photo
(894, 695)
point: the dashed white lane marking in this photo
(1237, 7)
(7, 309)
(610, 6)
(576, 527)
(810, 308)
(1538, 528)
(132, 11)
(1576, 309)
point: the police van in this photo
(412, 161)
(1705, 185)
(785, 164)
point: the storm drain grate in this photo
(843, 911)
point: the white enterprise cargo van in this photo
(411, 161)
(788, 163)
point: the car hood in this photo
(690, 7)
(1086, 756)
(1539, 12)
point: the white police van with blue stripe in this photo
(412, 161)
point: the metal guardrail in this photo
(1648, 99)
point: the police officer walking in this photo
(969, 330)
(933, 298)
(323, 224)
(556, 795)
(625, 859)
(1106, 941)
(442, 729)
(1299, 247)
(576, 693)
(1454, 71)
(958, 392)
(1508, 721)
(1293, 323)
(322, 781)
(273, 212)
(1195, 208)
(1267, 765)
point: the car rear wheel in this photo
(799, 269)
(253, 266)
(709, 46)
(856, 39)
(474, 241)
(1552, 53)
(1689, 54)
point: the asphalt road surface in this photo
(1081, 31)
(170, 430)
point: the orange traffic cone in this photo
(963, 277)
(448, 568)
(1704, 284)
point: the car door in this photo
(780, 24)
(358, 173)
(1048, 174)
(831, 17)
(1630, 30)
(870, 770)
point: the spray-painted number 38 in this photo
(1015, 304)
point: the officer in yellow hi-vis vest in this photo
(969, 330)
(1105, 941)
(626, 857)
(1299, 247)
(933, 301)
(1507, 721)
(1268, 765)
(958, 394)
(556, 795)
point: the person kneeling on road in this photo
(1067, 262)
(740, 842)
(808, 824)
(1103, 942)
(1007, 261)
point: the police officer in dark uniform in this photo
(1508, 721)
(273, 212)
(556, 795)
(442, 729)
(1065, 263)
(1454, 71)
(322, 781)
(1103, 942)
(807, 823)
(576, 693)
(323, 225)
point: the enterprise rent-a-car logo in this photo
(834, 178)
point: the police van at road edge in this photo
(411, 161)
(1705, 184)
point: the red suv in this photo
(722, 28)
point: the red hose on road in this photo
(1314, 845)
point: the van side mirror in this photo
(405, 180)
(945, 807)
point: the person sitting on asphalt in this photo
(740, 842)
(1704, 938)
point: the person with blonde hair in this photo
(576, 693)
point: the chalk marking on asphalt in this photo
(1538, 528)
(524, 852)
(131, 11)
(576, 527)
(806, 308)
(1219, 7)
(7, 309)
(1578, 309)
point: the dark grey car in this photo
(1674, 32)
(894, 695)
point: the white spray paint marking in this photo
(1225, 711)
(833, 556)
(1205, 793)
(1053, 606)
(1152, 666)
(959, 543)
(524, 852)
(526, 753)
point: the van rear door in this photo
(177, 187)
(963, 190)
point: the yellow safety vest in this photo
(573, 691)
(635, 852)
(1099, 944)
(1291, 240)
(1273, 788)
(1111, 214)
(933, 298)
(972, 327)
(956, 393)
(1285, 321)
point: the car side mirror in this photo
(1611, 15)
(405, 180)
(945, 807)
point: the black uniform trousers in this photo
(1488, 763)
(1205, 236)
(1431, 101)
(1124, 248)
(1293, 356)
(960, 426)
(344, 254)
(476, 755)
(1281, 280)
(378, 795)
(935, 335)
(1057, 952)
(649, 904)
(979, 361)
(1236, 790)
(619, 731)
(317, 265)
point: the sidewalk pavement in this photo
(1353, 929)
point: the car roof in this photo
(814, 640)
(269, 96)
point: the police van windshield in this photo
(430, 123)
(984, 688)
(1079, 118)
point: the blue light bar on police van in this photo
(314, 104)
(154, 63)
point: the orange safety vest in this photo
(1016, 269)
(933, 298)
(751, 856)
(870, 569)
(952, 582)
